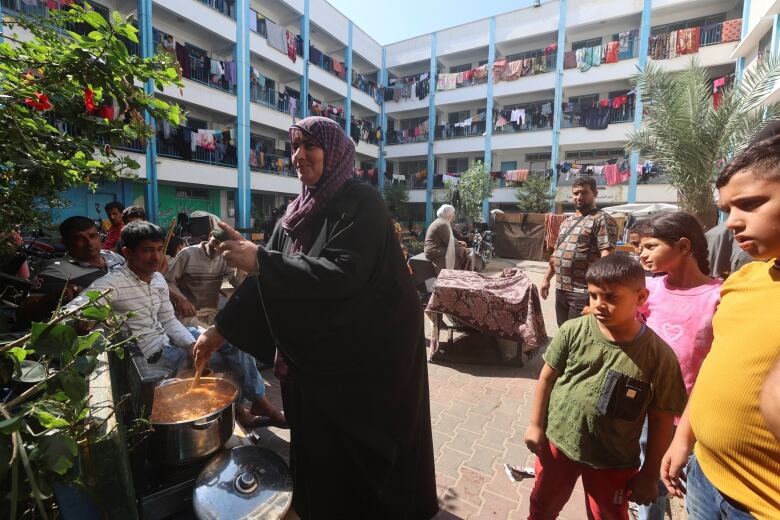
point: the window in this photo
(585, 101)
(525, 55)
(457, 165)
(407, 124)
(268, 143)
(408, 168)
(460, 68)
(530, 157)
(458, 117)
(191, 193)
(616, 93)
(482, 62)
(197, 124)
(508, 165)
(584, 44)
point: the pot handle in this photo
(205, 424)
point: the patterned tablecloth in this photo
(505, 306)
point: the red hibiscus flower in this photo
(106, 112)
(41, 102)
(89, 100)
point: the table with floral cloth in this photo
(506, 306)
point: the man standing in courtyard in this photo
(584, 237)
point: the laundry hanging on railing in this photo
(516, 175)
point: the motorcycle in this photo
(482, 249)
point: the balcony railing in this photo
(400, 138)
(200, 72)
(222, 6)
(169, 149)
(602, 181)
(622, 114)
(476, 129)
(271, 163)
(273, 100)
(710, 34)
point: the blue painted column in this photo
(431, 129)
(489, 113)
(348, 62)
(558, 102)
(244, 195)
(382, 123)
(775, 35)
(740, 67)
(151, 200)
(644, 49)
(304, 101)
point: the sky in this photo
(388, 21)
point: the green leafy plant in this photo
(691, 139)
(474, 186)
(60, 91)
(534, 195)
(397, 200)
(42, 428)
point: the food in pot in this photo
(176, 402)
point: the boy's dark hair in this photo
(75, 224)
(671, 227)
(616, 269)
(761, 158)
(133, 212)
(590, 182)
(136, 232)
(114, 204)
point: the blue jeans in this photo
(171, 361)
(240, 368)
(656, 510)
(705, 502)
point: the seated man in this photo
(163, 340)
(441, 247)
(194, 281)
(66, 277)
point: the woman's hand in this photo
(206, 344)
(237, 251)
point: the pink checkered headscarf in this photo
(339, 168)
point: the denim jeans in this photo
(705, 502)
(171, 361)
(656, 510)
(240, 368)
(569, 305)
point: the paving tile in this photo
(469, 486)
(493, 438)
(483, 459)
(459, 408)
(475, 422)
(496, 507)
(439, 440)
(503, 422)
(463, 440)
(447, 423)
(450, 460)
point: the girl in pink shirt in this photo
(681, 303)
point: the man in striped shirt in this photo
(167, 344)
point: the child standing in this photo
(734, 471)
(603, 374)
(681, 303)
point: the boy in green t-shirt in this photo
(603, 374)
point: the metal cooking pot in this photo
(187, 441)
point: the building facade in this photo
(543, 90)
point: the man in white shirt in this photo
(164, 341)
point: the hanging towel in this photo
(612, 52)
(291, 46)
(570, 60)
(277, 36)
(731, 31)
(447, 82)
(688, 41)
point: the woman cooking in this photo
(441, 248)
(332, 295)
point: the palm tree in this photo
(691, 139)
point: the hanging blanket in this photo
(506, 306)
(731, 31)
(570, 60)
(688, 41)
(612, 52)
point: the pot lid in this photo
(244, 482)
